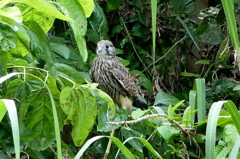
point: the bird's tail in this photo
(140, 102)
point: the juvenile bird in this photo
(114, 78)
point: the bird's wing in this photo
(122, 78)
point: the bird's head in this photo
(105, 49)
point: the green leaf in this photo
(211, 128)
(187, 74)
(166, 131)
(88, 6)
(145, 82)
(118, 143)
(60, 49)
(3, 110)
(81, 109)
(233, 111)
(98, 22)
(138, 113)
(166, 99)
(44, 20)
(186, 121)
(8, 36)
(39, 45)
(45, 7)
(210, 33)
(182, 6)
(12, 13)
(13, 116)
(113, 5)
(122, 61)
(74, 10)
(230, 135)
(201, 98)
(127, 133)
(36, 121)
(204, 62)
(69, 73)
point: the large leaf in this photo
(81, 109)
(88, 6)
(12, 13)
(166, 99)
(210, 33)
(44, 20)
(113, 4)
(45, 7)
(8, 36)
(127, 133)
(36, 121)
(167, 132)
(39, 45)
(69, 73)
(182, 6)
(230, 135)
(98, 22)
(74, 10)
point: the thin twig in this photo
(109, 145)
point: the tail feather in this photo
(140, 102)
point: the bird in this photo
(114, 79)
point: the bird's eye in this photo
(107, 46)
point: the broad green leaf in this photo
(98, 22)
(88, 6)
(118, 143)
(60, 49)
(122, 61)
(74, 10)
(113, 4)
(104, 116)
(166, 131)
(69, 73)
(44, 20)
(210, 33)
(221, 151)
(136, 144)
(39, 45)
(19, 50)
(224, 118)
(138, 113)
(8, 36)
(182, 6)
(13, 116)
(36, 121)
(230, 135)
(12, 13)
(45, 7)
(81, 109)
(166, 99)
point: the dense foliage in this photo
(186, 75)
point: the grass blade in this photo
(154, 22)
(211, 128)
(201, 99)
(119, 144)
(192, 103)
(233, 111)
(12, 113)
